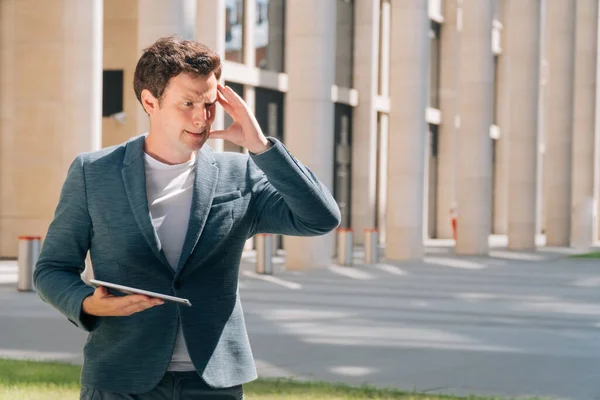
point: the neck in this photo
(161, 151)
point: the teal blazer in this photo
(103, 208)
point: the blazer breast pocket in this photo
(226, 197)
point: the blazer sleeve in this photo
(288, 198)
(62, 259)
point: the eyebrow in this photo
(195, 97)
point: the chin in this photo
(195, 141)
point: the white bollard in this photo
(371, 246)
(274, 246)
(249, 245)
(582, 236)
(29, 251)
(345, 251)
(264, 254)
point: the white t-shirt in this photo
(169, 190)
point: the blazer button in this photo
(176, 285)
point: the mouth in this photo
(200, 133)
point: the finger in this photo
(134, 308)
(220, 134)
(217, 135)
(141, 306)
(101, 292)
(221, 93)
(221, 97)
(134, 299)
(225, 104)
(231, 96)
(142, 299)
(156, 301)
(121, 303)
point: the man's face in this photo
(184, 116)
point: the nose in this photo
(200, 117)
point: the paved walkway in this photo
(512, 324)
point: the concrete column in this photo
(8, 247)
(383, 130)
(276, 35)
(210, 31)
(474, 169)
(120, 53)
(45, 122)
(584, 123)
(383, 119)
(559, 121)
(502, 153)
(249, 52)
(523, 56)
(449, 69)
(364, 135)
(210, 24)
(310, 56)
(347, 13)
(158, 18)
(409, 75)
(540, 220)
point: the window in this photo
(238, 88)
(234, 30)
(344, 43)
(434, 64)
(112, 92)
(495, 107)
(384, 48)
(269, 112)
(343, 161)
(269, 34)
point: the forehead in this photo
(186, 84)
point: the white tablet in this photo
(130, 290)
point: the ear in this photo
(149, 102)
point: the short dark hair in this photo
(168, 57)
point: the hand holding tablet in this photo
(102, 303)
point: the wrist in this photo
(261, 147)
(87, 305)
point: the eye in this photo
(188, 103)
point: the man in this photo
(165, 213)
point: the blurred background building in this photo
(409, 110)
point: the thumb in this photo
(101, 292)
(220, 134)
(224, 133)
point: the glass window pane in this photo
(495, 112)
(384, 48)
(342, 189)
(344, 43)
(239, 89)
(269, 34)
(269, 112)
(234, 30)
(434, 64)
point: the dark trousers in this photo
(173, 386)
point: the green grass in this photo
(31, 380)
(594, 254)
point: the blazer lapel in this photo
(134, 179)
(204, 189)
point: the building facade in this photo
(410, 111)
